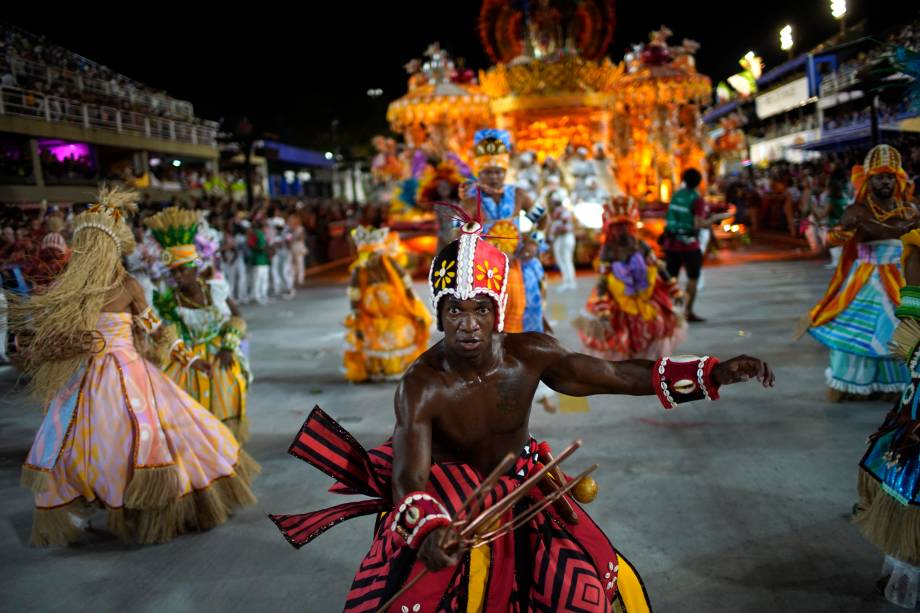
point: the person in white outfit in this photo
(282, 268)
(235, 261)
(528, 175)
(298, 249)
(562, 235)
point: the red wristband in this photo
(416, 516)
(684, 378)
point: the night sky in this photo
(292, 71)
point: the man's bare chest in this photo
(493, 404)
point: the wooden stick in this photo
(476, 496)
(563, 506)
(530, 513)
(472, 502)
(495, 510)
(519, 492)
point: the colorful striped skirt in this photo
(858, 336)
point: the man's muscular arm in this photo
(411, 437)
(576, 374)
(412, 459)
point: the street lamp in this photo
(839, 12)
(785, 39)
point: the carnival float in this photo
(554, 89)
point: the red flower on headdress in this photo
(490, 274)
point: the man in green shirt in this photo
(259, 259)
(687, 214)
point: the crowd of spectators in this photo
(305, 233)
(787, 197)
(33, 63)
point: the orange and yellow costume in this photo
(388, 326)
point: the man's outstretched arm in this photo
(576, 374)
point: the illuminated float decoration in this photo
(658, 131)
(551, 84)
(444, 105)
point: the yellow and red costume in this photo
(630, 313)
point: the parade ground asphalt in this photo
(742, 505)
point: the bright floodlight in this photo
(526, 224)
(177, 163)
(785, 38)
(590, 215)
(328, 155)
(838, 8)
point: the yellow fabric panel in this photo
(630, 588)
(911, 241)
(223, 392)
(480, 559)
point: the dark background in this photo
(293, 69)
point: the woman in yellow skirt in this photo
(207, 320)
(388, 326)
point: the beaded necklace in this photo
(882, 215)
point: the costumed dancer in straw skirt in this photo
(388, 326)
(855, 319)
(888, 513)
(462, 414)
(500, 206)
(207, 319)
(117, 432)
(630, 313)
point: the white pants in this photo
(2, 325)
(564, 252)
(282, 272)
(260, 280)
(705, 237)
(236, 279)
(298, 255)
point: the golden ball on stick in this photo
(586, 490)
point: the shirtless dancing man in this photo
(460, 409)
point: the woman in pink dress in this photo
(117, 433)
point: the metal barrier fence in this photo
(36, 105)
